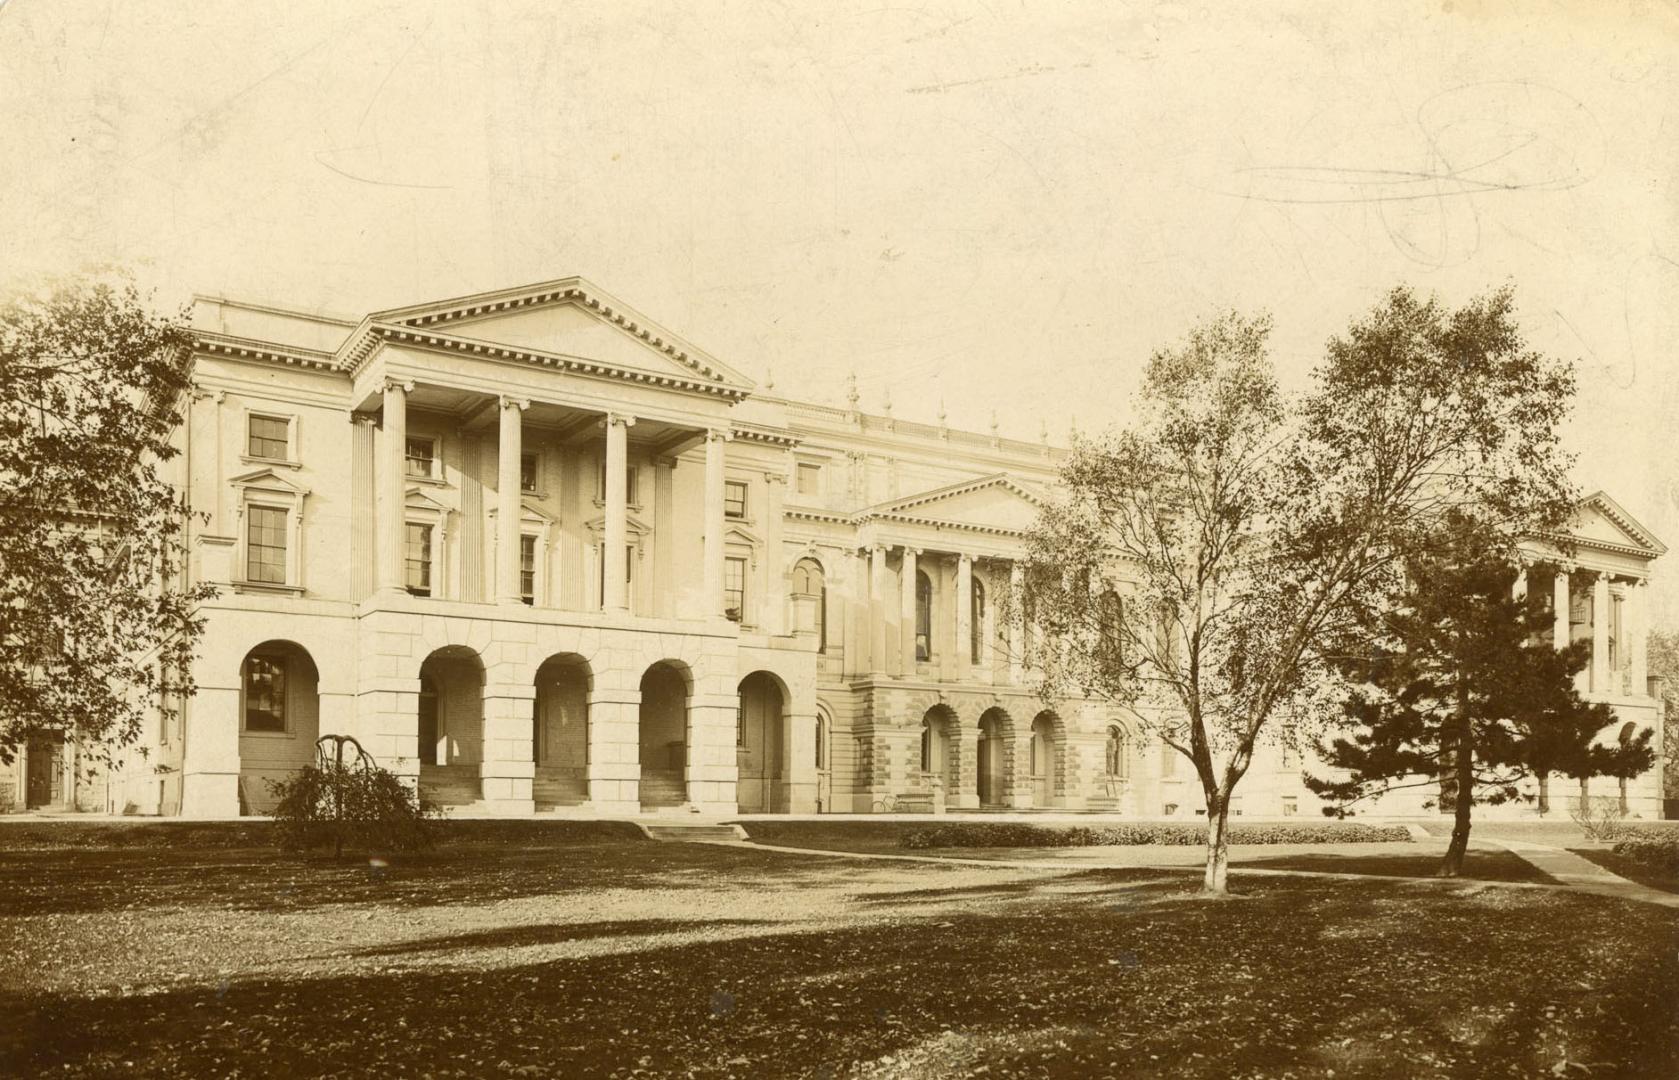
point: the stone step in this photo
(672, 833)
(661, 789)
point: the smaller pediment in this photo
(631, 526)
(995, 502)
(418, 498)
(266, 479)
(1600, 520)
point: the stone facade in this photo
(713, 598)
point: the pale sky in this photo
(1004, 205)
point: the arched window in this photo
(1111, 614)
(976, 622)
(923, 616)
(1118, 764)
(926, 746)
(810, 600)
(821, 742)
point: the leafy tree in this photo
(1662, 653)
(1204, 568)
(1464, 689)
(96, 624)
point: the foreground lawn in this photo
(594, 954)
(1483, 862)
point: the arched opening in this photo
(923, 617)
(810, 601)
(1110, 617)
(664, 736)
(279, 719)
(939, 753)
(1045, 754)
(760, 739)
(560, 732)
(994, 730)
(451, 727)
(1118, 753)
(976, 623)
(824, 760)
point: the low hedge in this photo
(1016, 835)
(1656, 852)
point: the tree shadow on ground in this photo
(514, 937)
(1068, 987)
(1477, 865)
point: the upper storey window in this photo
(529, 472)
(734, 498)
(421, 455)
(265, 546)
(629, 482)
(808, 479)
(269, 438)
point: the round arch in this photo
(760, 742)
(996, 728)
(666, 687)
(560, 731)
(1048, 736)
(279, 718)
(451, 726)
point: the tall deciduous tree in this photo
(1464, 689)
(1204, 568)
(1662, 650)
(96, 628)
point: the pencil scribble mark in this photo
(320, 159)
(941, 87)
(1519, 136)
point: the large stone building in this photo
(537, 552)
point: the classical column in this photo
(715, 440)
(1560, 601)
(877, 609)
(364, 497)
(1637, 596)
(964, 613)
(1017, 621)
(393, 486)
(772, 607)
(1600, 633)
(509, 510)
(906, 614)
(614, 596)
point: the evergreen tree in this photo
(1465, 689)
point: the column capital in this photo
(911, 550)
(775, 478)
(508, 402)
(405, 385)
(620, 418)
(364, 419)
(717, 434)
(964, 557)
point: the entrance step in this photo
(671, 832)
(551, 789)
(661, 788)
(450, 785)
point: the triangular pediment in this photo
(997, 501)
(1601, 520)
(568, 317)
(631, 526)
(419, 498)
(267, 480)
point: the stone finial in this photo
(993, 423)
(851, 390)
(769, 377)
(1043, 430)
(886, 400)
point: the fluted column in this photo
(964, 613)
(614, 596)
(772, 606)
(1637, 663)
(877, 609)
(716, 441)
(1017, 621)
(906, 611)
(393, 485)
(509, 510)
(1600, 633)
(1560, 601)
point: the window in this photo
(265, 546)
(1168, 761)
(808, 479)
(527, 569)
(923, 616)
(1291, 757)
(810, 588)
(734, 588)
(418, 559)
(421, 454)
(1291, 805)
(1111, 619)
(528, 473)
(976, 623)
(1117, 765)
(734, 498)
(629, 482)
(629, 571)
(821, 743)
(269, 437)
(265, 693)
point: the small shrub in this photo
(1188, 834)
(1600, 819)
(1659, 853)
(359, 806)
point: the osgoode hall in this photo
(542, 555)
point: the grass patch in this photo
(1138, 834)
(1633, 869)
(1477, 865)
(908, 970)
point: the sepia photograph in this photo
(747, 539)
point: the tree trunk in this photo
(1216, 880)
(1464, 798)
